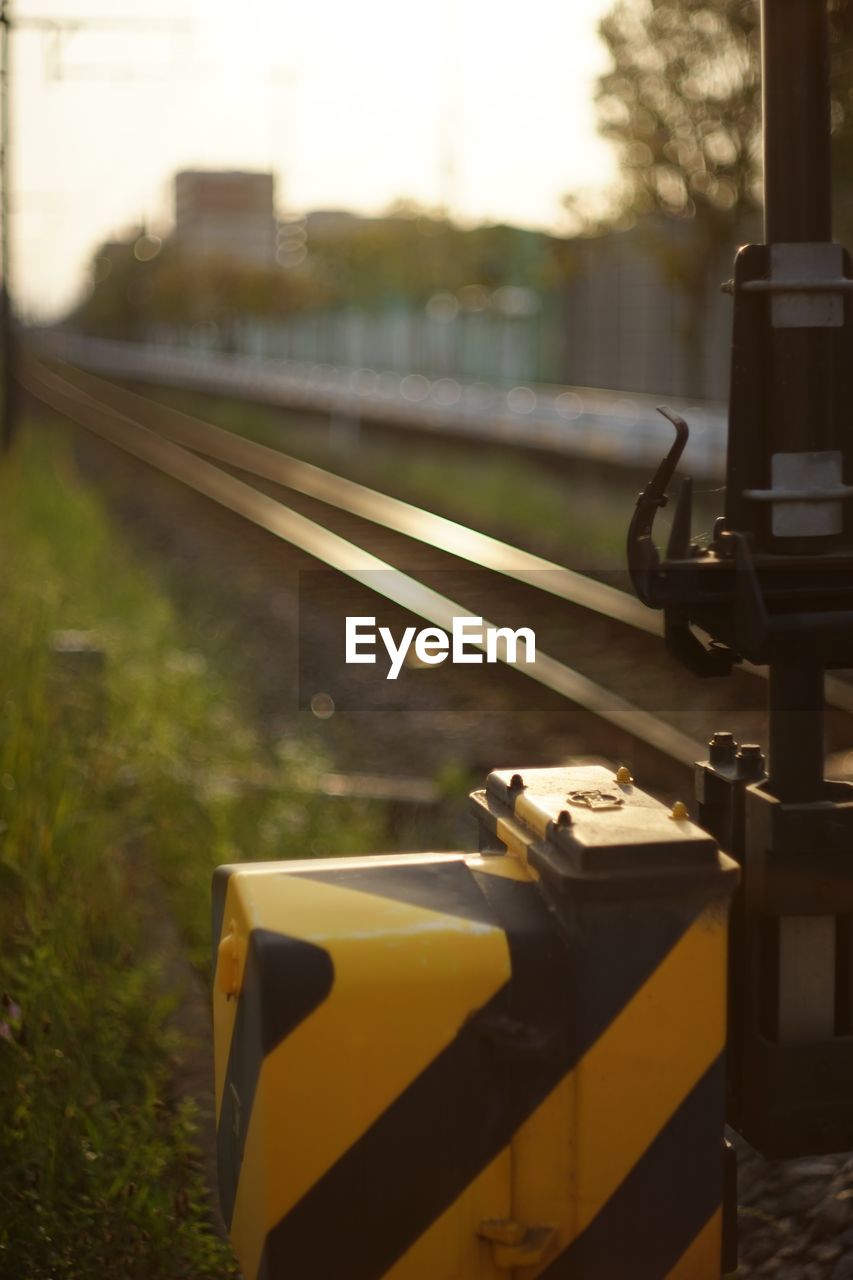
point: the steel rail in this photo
(336, 552)
(612, 427)
(380, 508)
(402, 517)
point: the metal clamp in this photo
(806, 285)
(806, 492)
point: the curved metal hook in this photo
(643, 558)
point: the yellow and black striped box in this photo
(477, 1066)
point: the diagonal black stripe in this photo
(219, 889)
(284, 980)
(447, 887)
(664, 1202)
(610, 951)
(566, 986)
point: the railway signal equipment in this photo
(506, 1063)
(460, 1066)
(775, 586)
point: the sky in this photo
(482, 106)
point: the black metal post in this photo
(795, 91)
(796, 701)
(798, 203)
(797, 209)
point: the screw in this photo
(516, 782)
(623, 775)
(564, 818)
(679, 811)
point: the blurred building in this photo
(624, 324)
(226, 215)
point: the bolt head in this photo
(750, 760)
(722, 748)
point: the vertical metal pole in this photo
(7, 320)
(798, 204)
(796, 700)
(795, 95)
(797, 208)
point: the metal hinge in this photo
(514, 1244)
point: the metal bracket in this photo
(806, 493)
(806, 285)
(709, 661)
(514, 1245)
(643, 558)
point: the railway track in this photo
(346, 526)
(612, 427)
(593, 638)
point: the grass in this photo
(99, 1171)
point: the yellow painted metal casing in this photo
(472, 1067)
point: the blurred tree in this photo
(406, 256)
(129, 293)
(683, 104)
(409, 254)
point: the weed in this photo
(99, 1173)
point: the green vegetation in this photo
(682, 102)
(145, 763)
(407, 255)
